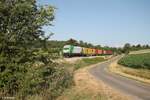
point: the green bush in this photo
(136, 61)
(50, 79)
(26, 65)
(29, 79)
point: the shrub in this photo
(50, 79)
(25, 70)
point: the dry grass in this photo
(140, 51)
(88, 88)
(142, 75)
(74, 59)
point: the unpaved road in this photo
(137, 90)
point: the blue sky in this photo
(104, 22)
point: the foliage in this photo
(24, 68)
(49, 80)
(55, 47)
(72, 42)
(136, 61)
(56, 44)
(128, 47)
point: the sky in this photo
(105, 22)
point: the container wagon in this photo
(107, 52)
(98, 52)
(70, 50)
(85, 51)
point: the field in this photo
(136, 66)
(87, 61)
(137, 61)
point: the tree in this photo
(126, 48)
(147, 46)
(98, 46)
(72, 42)
(138, 46)
(21, 23)
(81, 43)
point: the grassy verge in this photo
(87, 87)
(143, 73)
(136, 74)
(82, 93)
(87, 61)
(75, 93)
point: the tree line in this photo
(125, 49)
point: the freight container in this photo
(93, 51)
(107, 52)
(96, 51)
(84, 51)
(100, 52)
(104, 52)
(90, 51)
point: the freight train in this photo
(70, 50)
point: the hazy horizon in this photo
(104, 22)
